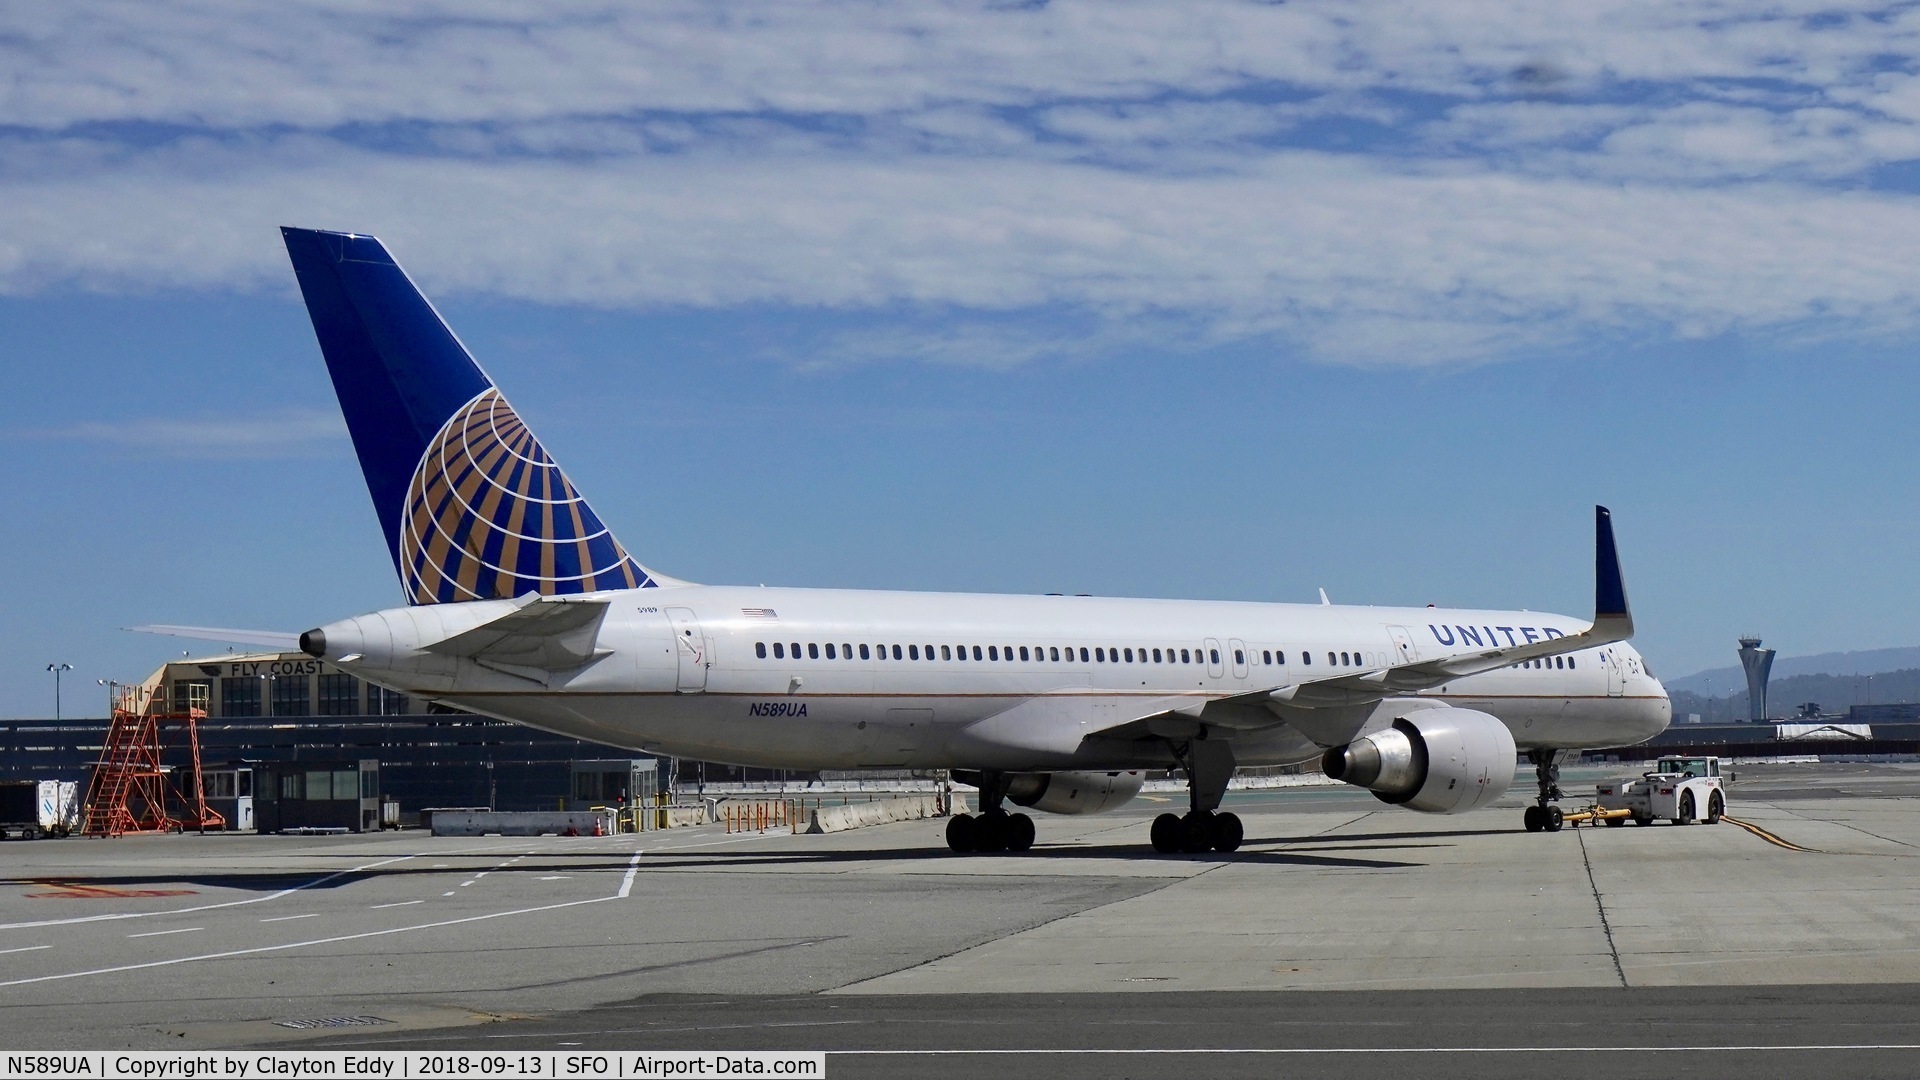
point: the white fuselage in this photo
(803, 678)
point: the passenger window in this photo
(1053, 653)
(946, 652)
(779, 653)
(1185, 657)
(1099, 655)
(1331, 659)
(796, 650)
(846, 651)
(1266, 656)
(760, 649)
(1239, 657)
(929, 652)
(1213, 655)
(1280, 658)
(896, 653)
(1569, 661)
(993, 652)
(863, 652)
(1129, 655)
(830, 655)
(813, 651)
(1558, 662)
(1344, 662)
(1084, 657)
(913, 651)
(1156, 656)
(976, 652)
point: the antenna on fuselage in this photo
(1324, 602)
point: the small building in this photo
(317, 795)
(614, 782)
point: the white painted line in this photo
(158, 933)
(449, 892)
(464, 884)
(403, 903)
(208, 907)
(626, 883)
(301, 944)
(289, 918)
(558, 877)
(25, 948)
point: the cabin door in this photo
(691, 645)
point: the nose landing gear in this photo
(1543, 816)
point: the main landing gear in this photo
(1543, 816)
(1209, 765)
(994, 829)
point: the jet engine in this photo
(1437, 761)
(1073, 792)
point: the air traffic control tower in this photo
(1758, 662)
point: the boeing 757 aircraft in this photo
(522, 605)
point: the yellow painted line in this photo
(1767, 836)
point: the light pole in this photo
(57, 669)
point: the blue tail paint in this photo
(472, 506)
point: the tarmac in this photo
(1345, 938)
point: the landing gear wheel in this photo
(1019, 832)
(1552, 819)
(1686, 809)
(1198, 827)
(1715, 807)
(1227, 832)
(991, 833)
(961, 830)
(1535, 818)
(1167, 834)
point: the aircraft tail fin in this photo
(472, 506)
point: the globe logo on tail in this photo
(489, 516)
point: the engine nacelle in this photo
(1074, 792)
(1437, 761)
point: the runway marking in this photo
(25, 948)
(1769, 837)
(449, 892)
(558, 877)
(289, 918)
(161, 933)
(1305, 1051)
(208, 907)
(403, 903)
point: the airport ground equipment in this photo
(131, 791)
(31, 809)
(1682, 790)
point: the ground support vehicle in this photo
(1682, 790)
(31, 809)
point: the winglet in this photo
(1609, 590)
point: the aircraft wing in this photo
(1612, 622)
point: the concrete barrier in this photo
(529, 823)
(828, 819)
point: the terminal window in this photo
(339, 695)
(384, 702)
(191, 694)
(240, 697)
(291, 696)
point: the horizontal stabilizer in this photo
(272, 639)
(541, 635)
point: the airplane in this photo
(523, 606)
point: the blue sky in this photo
(1219, 300)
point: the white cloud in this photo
(286, 433)
(1402, 182)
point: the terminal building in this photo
(274, 708)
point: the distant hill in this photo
(1834, 693)
(1727, 680)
